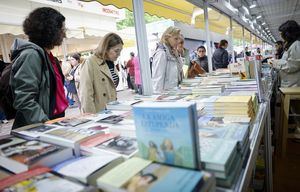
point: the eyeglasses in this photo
(202, 51)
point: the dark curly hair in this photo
(44, 27)
(290, 32)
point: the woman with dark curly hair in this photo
(289, 64)
(36, 78)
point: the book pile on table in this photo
(238, 106)
(224, 147)
(84, 153)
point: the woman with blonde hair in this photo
(99, 75)
(166, 64)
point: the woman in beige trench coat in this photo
(99, 77)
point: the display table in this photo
(287, 94)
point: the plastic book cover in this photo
(28, 152)
(166, 134)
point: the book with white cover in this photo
(88, 168)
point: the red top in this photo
(61, 103)
(130, 65)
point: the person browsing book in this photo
(36, 79)
(289, 64)
(99, 77)
(220, 56)
(166, 65)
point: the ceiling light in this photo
(263, 23)
(252, 6)
(258, 17)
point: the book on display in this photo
(121, 105)
(216, 154)
(141, 175)
(88, 168)
(70, 137)
(168, 133)
(18, 155)
(120, 145)
(34, 130)
(41, 180)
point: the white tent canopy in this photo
(88, 21)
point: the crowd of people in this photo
(43, 88)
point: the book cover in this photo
(28, 152)
(84, 168)
(75, 121)
(112, 119)
(119, 175)
(4, 173)
(40, 180)
(217, 153)
(34, 130)
(121, 105)
(125, 146)
(141, 175)
(158, 177)
(230, 131)
(166, 133)
(94, 141)
(75, 134)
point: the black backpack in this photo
(6, 94)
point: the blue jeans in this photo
(2, 115)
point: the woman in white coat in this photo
(289, 64)
(166, 64)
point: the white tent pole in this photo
(5, 50)
(209, 52)
(142, 44)
(231, 41)
(244, 42)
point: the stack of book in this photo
(215, 127)
(239, 106)
(221, 157)
(242, 85)
(208, 90)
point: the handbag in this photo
(195, 70)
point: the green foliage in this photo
(129, 20)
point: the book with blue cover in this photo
(217, 154)
(168, 133)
